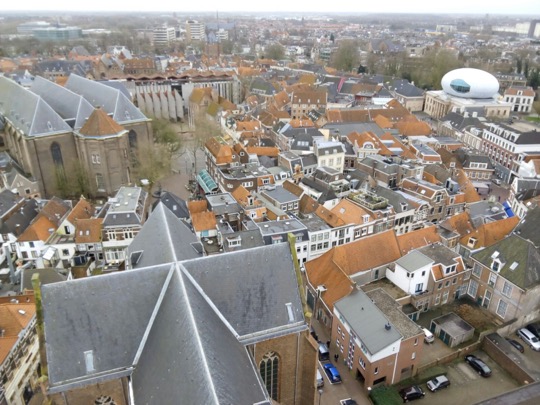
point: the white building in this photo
(195, 31)
(521, 98)
(163, 35)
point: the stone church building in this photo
(86, 125)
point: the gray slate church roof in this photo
(212, 306)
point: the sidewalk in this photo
(350, 387)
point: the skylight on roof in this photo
(514, 265)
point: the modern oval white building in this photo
(470, 83)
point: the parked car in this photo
(332, 373)
(480, 367)
(411, 393)
(428, 336)
(348, 401)
(534, 328)
(324, 353)
(529, 338)
(438, 383)
(497, 181)
(516, 344)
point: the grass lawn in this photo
(385, 396)
(533, 119)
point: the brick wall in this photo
(497, 353)
(297, 365)
(116, 389)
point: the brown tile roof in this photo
(263, 150)
(526, 91)
(491, 233)
(309, 97)
(12, 323)
(329, 217)
(466, 186)
(88, 230)
(416, 239)
(307, 78)
(197, 206)
(323, 271)
(301, 123)
(291, 187)
(334, 268)
(241, 195)
(349, 212)
(220, 150)
(460, 223)
(100, 124)
(281, 100)
(82, 210)
(55, 209)
(247, 125)
(199, 93)
(308, 205)
(203, 221)
(41, 229)
(408, 128)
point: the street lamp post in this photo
(320, 395)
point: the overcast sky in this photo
(512, 7)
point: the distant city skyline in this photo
(516, 7)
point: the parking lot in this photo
(467, 386)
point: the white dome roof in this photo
(470, 83)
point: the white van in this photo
(320, 381)
(428, 336)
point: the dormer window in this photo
(496, 265)
(472, 241)
(450, 269)
(234, 241)
(366, 219)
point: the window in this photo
(477, 270)
(473, 288)
(501, 308)
(413, 356)
(450, 269)
(56, 153)
(362, 362)
(439, 286)
(269, 369)
(104, 400)
(65, 252)
(99, 182)
(507, 289)
(376, 371)
(419, 288)
(445, 297)
(492, 279)
(416, 342)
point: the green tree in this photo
(526, 69)
(332, 37)
(165, 134)
(346, 57)
(153, 163)
(62, 183)
(519, 65)
(433, 66)
(82, 184)
(275, 51)
(536, 106)
(227, 46)
(534, 79)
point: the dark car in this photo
(516, 344)
(332, 373)
(411, 393)
(348, 401)
(438, 383)
(480, 367)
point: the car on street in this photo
(478, 365)
(529, 338)
(411, 393)
(348, 401)
(438, 383)
(332, 373)
(516, 344)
